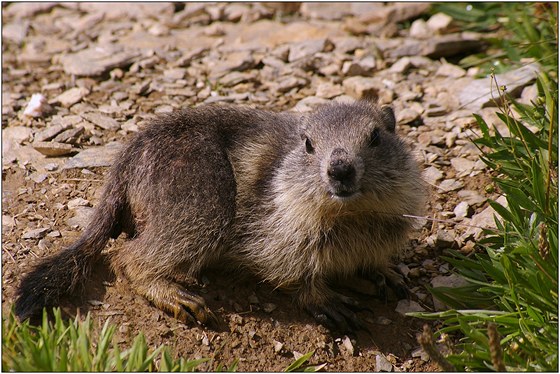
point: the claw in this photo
(337, 316)
(390, 279)
(185, 306)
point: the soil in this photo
(260, 326)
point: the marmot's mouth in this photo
(344, 195)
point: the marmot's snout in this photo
(344, 172)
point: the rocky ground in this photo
(103, 70)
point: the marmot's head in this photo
(352, 157)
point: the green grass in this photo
(506, 318)
(73, 346)
(76, 346)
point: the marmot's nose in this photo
(340, 167)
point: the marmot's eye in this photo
(308, 146)
(374, 138)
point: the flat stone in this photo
(15, 32)
(432, 175)
(71, 96)
(471, 197)
(451, 281)
(94, 157)
(82, 217)
(364, 67)
(440, 23)
(445, 239)
(401, 66)
(462, 165)
(408, 116)
(77, 202)
(50, 132)
(69, 136)
(16, 134)
(450, 45)
(35, 233)
(484, 219)
(97, 60)
(308, 48)
(101, 120)
(408, 306)
(462, 210)
(419, 30)
(53, 149)
(362, 87)
(450, 70)
(328, 90)
(479, 93)
(449, 185)
(382, 364)
(326, 11)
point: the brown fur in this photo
(298, 199)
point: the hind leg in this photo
(152, 260)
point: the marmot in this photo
(299, 199)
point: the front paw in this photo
(336, 315)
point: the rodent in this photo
(298, 199)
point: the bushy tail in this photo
(64, 273)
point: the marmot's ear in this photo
(388, 117)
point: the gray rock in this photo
(451, 281)
(445, 239)
(408, 116)
(50, 132)
(463, 166)
(484, 219)
(440, 23)
(419, 352)
(326, 11)
(463, 209)
(432, 175)
(269, 307)
(69, 136)
(16, 135)
(362, 87)
(408, 306)
(308, 48)
(308, 104)
(479, 94)
(53, 149)
(419, 29)
(394, 12)
(347, 344)
(364, 67)
(101, 120)
(401, 66)
(450, 70)
(287, 83)
(94, 157)
(471, 197)
(97, 60)
(36, 233)
(15, 32)
(449, 185)
(77, 202)
(382, 364)
(328, 90)
(82, 217)
(71, 96)
(450, 45)
(26, 10)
